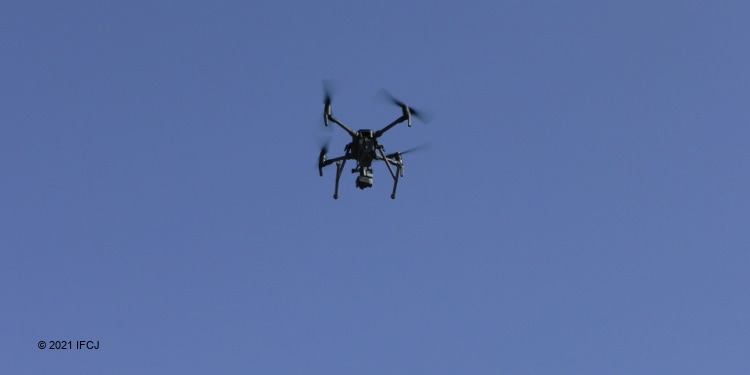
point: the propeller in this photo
(421, 147)
(408, 111)
(397, 156)
(322, 156)
(327, 93)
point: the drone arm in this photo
(394, 123)
(329, 117)
(386, 160)
(334, 160)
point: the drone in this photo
(365, 148)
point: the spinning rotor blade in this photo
(324, 142)
(424, 117)
(322, 157)
(327, 92)
(421, 147)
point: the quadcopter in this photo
(365, 148)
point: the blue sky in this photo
(583, 208)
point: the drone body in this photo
(365, 148)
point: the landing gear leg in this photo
(395, 181)
(399, 171)
(339, 168)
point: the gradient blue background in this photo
(583, 209)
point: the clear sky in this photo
(583, 208)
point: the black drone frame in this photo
(364, 148)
